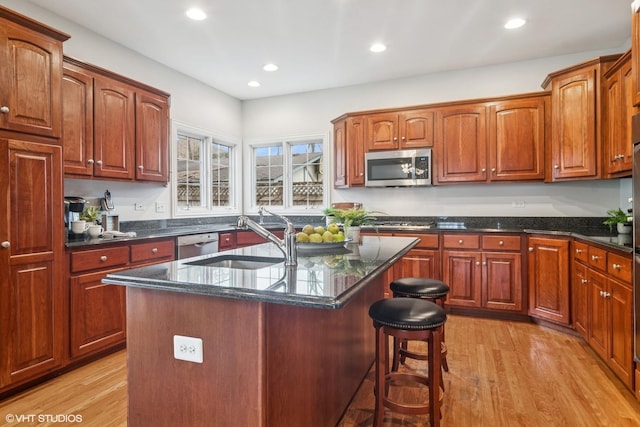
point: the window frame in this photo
(287, 142)
(235, 169)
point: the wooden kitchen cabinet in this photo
(348, 140)
(616, 118)
(421, 261)
(635, 52)
(548, 264)
(32, 295)
(31, 77)
(399, 130)
(115, 128)
(518, 131)
(227, 241)
(461, 144)
(576, 104)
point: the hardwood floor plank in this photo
(501, 374)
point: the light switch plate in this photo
(187, 348)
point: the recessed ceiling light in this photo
(196, 14)
(514, 23)
(378, 47)
(253, 83)
(270, 67)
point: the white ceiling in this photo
(321, 44)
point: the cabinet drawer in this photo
(157, 250)
(427, 241)
(619, 267)
(597, 258)
(581, 251)
(501, 243)
(461, 241)
(227, 241)
(99, 258)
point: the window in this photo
(204, 178)
(289, 174)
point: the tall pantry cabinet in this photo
(32, 295)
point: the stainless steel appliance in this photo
(73, 207)
(399, 168)
(635, 134)
(196, 244)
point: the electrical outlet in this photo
(160, 207)
(138, 207)
(517, 204)
(187, 348)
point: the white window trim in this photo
(235, 180)
(252, 208)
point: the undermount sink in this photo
(242, 262)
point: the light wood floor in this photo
(501, 374)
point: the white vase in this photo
(353, 233)
(624, 228)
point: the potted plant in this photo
(618, 218)
(351, 219)
(90, 214)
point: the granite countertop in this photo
(320, 280)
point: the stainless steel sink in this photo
(242, 262)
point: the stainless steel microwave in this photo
(399, 168)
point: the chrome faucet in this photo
(286, 245)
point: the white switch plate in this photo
(138, 207)
(517, 204)
(160, 207)
(187, 348)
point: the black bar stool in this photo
(407, 319)
(419, 287)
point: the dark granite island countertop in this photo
(277, 349)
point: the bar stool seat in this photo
(425, 288)
(407, 319)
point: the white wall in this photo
(312, 112)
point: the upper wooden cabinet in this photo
(576, 143)
(114, 128)
(461, 144)
(31, 61)
(348, 140)
(399, 130)
(340, 153)
(518, 130)
(635, 52)
(618, 99)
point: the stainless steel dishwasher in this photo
(197, 244)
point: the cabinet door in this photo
(502, 281)
(97, 314)
(579, 299)
(419, 263)
(574, 149)
(517, 134)
(31, 257)
(152, 137)
(635, 53)
(340, 154)
(462, 271)
(461, 144)
(114, 129)
(598, 332)
(382, 132)
(549, 279)
(355, 151)
(616, 121)
(30, 81)
(620, 305)
(416, 129)
(77, 119)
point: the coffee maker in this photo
(73, 207)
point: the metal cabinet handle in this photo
(140, 167)
(154, 250)
(556, 167)
(99, 162)
(103, 258)
(403, 138)
(530, 249)
(501, 242)
(579, 251)
(616, 266)
(606, 294)
(493, 170)
(484, 170)
(5, 244)
(484, 263)
(4, 109)
(584, 281)
(395, 138)
(460, 241)
(477, 262)
(90, 161)
(595, 257)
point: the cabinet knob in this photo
(601, 293)
(501, 242)
(616, 266)
(583, 281)
(484, 170)
(607, 294)
(140, 167)
(103, 258)
(578, 251)
(5, 244)
(530, 249)
(595, 257)
(99, 162)
(361, 174)
(4, 109)
(403, 138)
(154, 250)
(556, 167)
(395, 138)
(493, 170)
(484, 263)
(460, 241)
(477, 262)
(90, 161)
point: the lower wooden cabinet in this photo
(548, 260)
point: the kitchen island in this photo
(281, 346)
